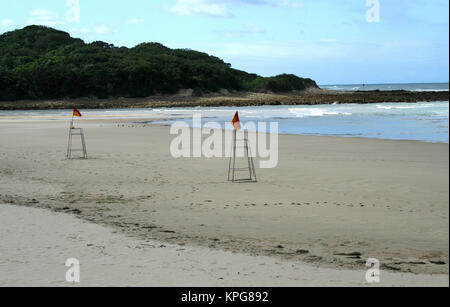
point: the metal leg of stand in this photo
(229, 167)
(232, 163)
(234, 158)
(70, 145)
(252, 165)
(232, 153)
(84, 144)
(248, 160)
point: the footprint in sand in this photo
(352, 255)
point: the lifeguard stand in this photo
(75, 132)
(249, 169)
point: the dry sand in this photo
(36, 243)
(327, 197)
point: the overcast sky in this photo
(332, 42)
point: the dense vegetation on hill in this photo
(43, 63)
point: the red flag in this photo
(76, 113)
(236, 122)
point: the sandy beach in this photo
(108, 258)
(331, 203)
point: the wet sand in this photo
(330, 203)
(35, 256)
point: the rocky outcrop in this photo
(310, 97)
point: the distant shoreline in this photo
(240, 99)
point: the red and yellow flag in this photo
(236, 122)
(76, 113)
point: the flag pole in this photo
(70, 139)
(234, 153)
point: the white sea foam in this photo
(405, 107)
(384, 107)
(414, 87)
(315, 112)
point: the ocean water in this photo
(425, 121)
(414, 87)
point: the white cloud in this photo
(282, 49)
(324, 49)
(209, 8)
(45, 18)
(327, 40)
(100, 30)
(7, 22)
(247, 30)
(288, 4)
(135, 21)
(220, 8)
(79, 30)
